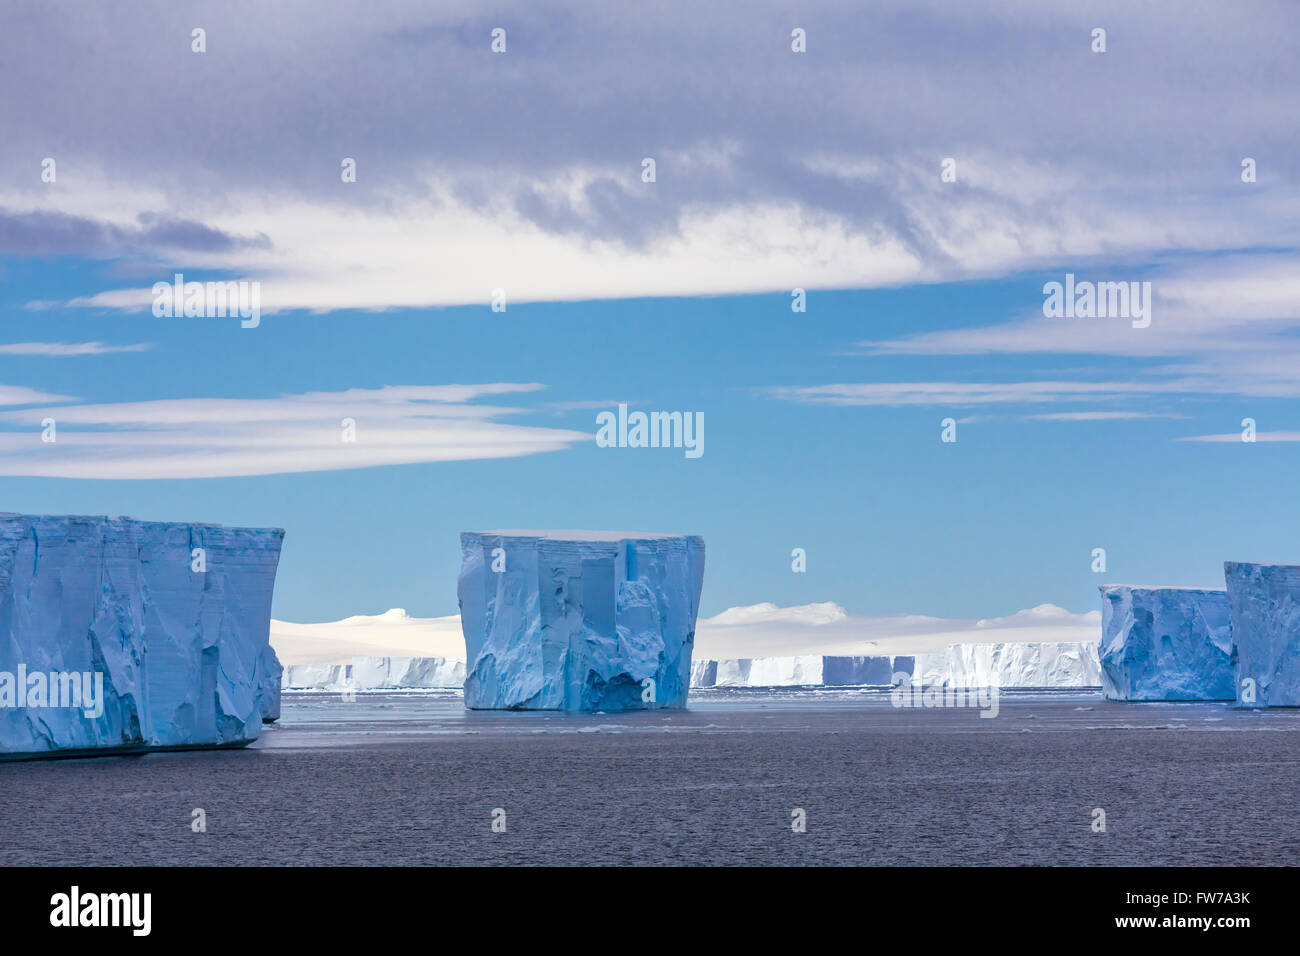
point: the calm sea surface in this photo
(414, 779)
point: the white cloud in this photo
(21, 395)
(1096, 416)
(1239, 304)
(217, 437)
(969, 393)
(756, 191)
(60, 349)
(1235, 437)
(1223, 326)
(440, 251)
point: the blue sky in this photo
(893, 520)
(775, 170)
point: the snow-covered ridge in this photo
(393, 633)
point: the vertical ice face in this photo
(1037, 664)
(1165, 644)
(377, 673)
(270, 676)
(174, 619)
(1265, 601)
(582, 621)
(805, 670)
(1030, 664)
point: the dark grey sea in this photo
(413, 778)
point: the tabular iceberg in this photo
(1003, 664)
(377, 673)
(580, 621)
(1165, 643)
(1029, 664)
(803, 670)
(172, 620)
(1265, 602)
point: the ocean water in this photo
(413, 778)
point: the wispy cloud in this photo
(1097, 416)
(21, 395)
(62, 349)
(1223, 326)
(969, 393)
(216, 437)
(1235, 437)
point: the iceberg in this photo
(168, 622)
(317, 677)
(1265, 603)
(1027, 665)
(1001, 664)
(803, 670)
(1162, 643)
(577, 620)
(377, 673)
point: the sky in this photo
(519, 176)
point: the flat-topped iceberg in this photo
(1002, 664)
(578, 620)
(170, 621)
(803, 670)
(1037, 664)
(377, 673)
(1165, 643)
(1265, 603)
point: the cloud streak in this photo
(65, 349)
(214, 437)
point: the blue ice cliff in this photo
(118, 634)
(1166, 644)
(577, 620)
(1265, 601)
